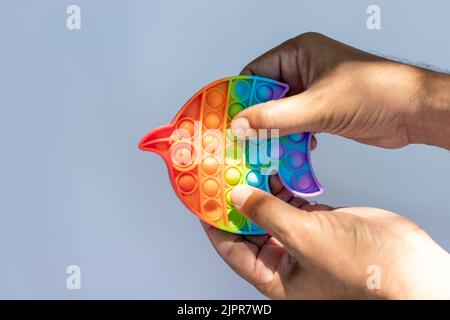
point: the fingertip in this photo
(240, 127)
(313, 142)
(246, 72)
(240, 195)
(206, 227)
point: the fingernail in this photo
(239, 126)
(240, 194)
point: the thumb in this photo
(300, 113)
(282, 221)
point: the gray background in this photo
(74, 188)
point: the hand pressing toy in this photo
(205, 160)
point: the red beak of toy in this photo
(157, 140)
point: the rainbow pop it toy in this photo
(205, 160)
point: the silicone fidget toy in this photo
(205, 160)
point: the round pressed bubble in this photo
(252, 158)
(211, 143)
(210, 165)
(254, 178)
(302, 181)
(228, 197)
(215, 98)
(210, 187)
(264, 93)
(295, 159)
(232, 176)
(212, 209)
(281, 150)
(183, 155)
(258, 152)
(236, 218)
(258, 142)
(233, 153)
(240, 90)
(212, 120)
(234, 109)
(272, 154)
(229, 134)
(187, 182)
(185, 128)
(296, 137)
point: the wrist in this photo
(431, 123)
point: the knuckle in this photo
(289, 235)
(289, 46)
(310, 41)
(233, 249)
(292, 232)
(262, 115)
(310, 36)
(257, 206)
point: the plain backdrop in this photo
(74, 188)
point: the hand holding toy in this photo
(205, 160)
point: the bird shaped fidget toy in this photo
(205, 160)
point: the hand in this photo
(315, 251)
(338, 89)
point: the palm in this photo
(259, 259)
(359, 237)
